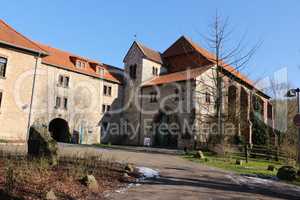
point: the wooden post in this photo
(277, 154)
(246, 152)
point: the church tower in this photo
(140, 64)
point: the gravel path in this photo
(185, 180)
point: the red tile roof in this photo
(63, 60)
(182, 75)
(176, 76)
(150, 53)
(10, 36)
(211, 57)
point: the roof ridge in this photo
(69, 52)
(211, 57)
(140, 46)
(197, 46)
(114, 67)
(183, 75)
(23, 36)
(145, 46)
(150, 53)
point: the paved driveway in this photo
(184, 180)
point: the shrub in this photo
(271, 168)
(9, 180)
(239, 162)
(3, 141)
(199, 155)
(260, 131)
(287, 173)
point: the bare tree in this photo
(228, 60)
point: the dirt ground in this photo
(181, 179)
(184, 180)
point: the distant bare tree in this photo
(228, 60)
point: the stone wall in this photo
(85, 98)
(179, 109)
(16, 88)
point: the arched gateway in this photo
(59, 129)
(165, 135)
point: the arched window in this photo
(132, 71)
(232, 101)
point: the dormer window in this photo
(80, 64)
(100, 70)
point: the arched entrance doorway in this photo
(59, 129)
(166, 133)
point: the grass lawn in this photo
(253, 167)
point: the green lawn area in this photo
(3, 141)
(254, 166)
(103, 145)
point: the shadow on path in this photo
(219, 185)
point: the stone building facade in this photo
(159, 99)
(171, 97)
(69, 94)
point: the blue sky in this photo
(104, 30)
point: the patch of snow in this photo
(148, 172)
(248, 180)
(124, 189)
(145, 173)
(253, 182)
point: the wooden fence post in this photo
(246, 152)
(277, 154)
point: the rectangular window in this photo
(153, 97)
(270, 111)
(207, 97)
(60, 80)
(1, 98)
(132, 71)
(3, 63)
(176, 95)
(109, 91)
(66, 103)
(103, 108)
(66, 81)
(78, 64)
(105, 90)
(63, 81)
(100, 70)
(57, 102)
(155, 71)
(183, 94)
